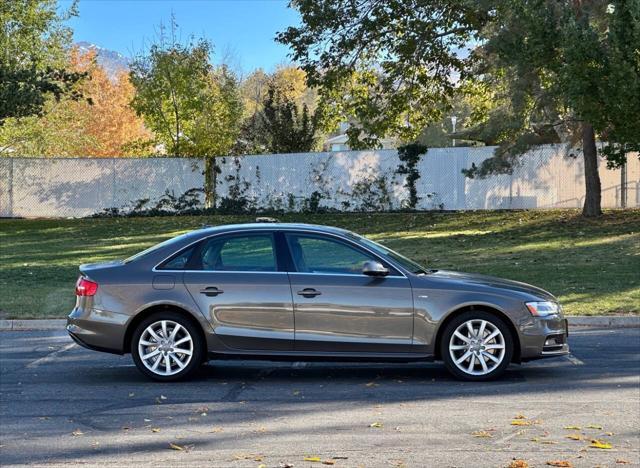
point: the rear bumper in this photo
(98, 330)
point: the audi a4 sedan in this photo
(302, 292)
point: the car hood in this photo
(485, 281)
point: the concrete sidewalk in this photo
(606, 321)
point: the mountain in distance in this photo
(112, 61)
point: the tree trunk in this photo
(591, 176)
(210, 182)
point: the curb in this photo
(612, 321)
(41, 324)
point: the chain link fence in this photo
(345, 181)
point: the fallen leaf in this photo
(285, 465)
(155, 429)
(608, 434)
(594, 426)
(328, 462)
(599, 444)
(262, 465)
(216, 429)
(376, 424)
(340, 458)
(520, 416)
(548, 442)
(147, 420)
(258, 458)
(574, 436)
(621, 461)
(520, 422)
(562, 463)
(573, 428)
(312, 459)
(126, 428)
(77, 432)
(176, 447)
(371, 384)
(481, 434)
(518, 464)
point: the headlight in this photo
(543, 309)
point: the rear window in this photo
(155, 248)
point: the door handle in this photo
(309, 292)
(211, 291)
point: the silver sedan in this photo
(295, 291)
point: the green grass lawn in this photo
(593, 266)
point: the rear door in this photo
(339, 309)
(237, 284)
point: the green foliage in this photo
(409, 156)
(193, 108)
(555, 67)
(386, 64)
(287, 129)
(33, 50)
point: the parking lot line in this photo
(50, 357)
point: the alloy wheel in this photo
(477, 347)
(165, 347)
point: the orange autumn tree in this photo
(112, 128)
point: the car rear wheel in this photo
(166, 346)
(476, 345)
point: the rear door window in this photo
(253, 252)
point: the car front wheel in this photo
(476, 345)
(166, 346)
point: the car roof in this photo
(270, 226)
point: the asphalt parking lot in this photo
(62, 404)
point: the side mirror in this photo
(373, 268)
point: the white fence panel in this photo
(349, 180)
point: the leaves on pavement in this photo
(600, 444)
(594, 426)
(312, 459)
(518, 463)
(573, 428)
(561, 463)
(482, 434)
(376, 424)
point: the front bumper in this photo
(543, 337)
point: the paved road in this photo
(244, 414)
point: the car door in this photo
(237, 284)
(339, 309)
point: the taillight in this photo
(84, 287)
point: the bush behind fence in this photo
(340, 181)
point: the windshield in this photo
(153, 248)
(405, 262)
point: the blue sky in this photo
(245, 28)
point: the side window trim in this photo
(193, 265)
(393, 271)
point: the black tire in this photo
(461, 319)
(197, 349)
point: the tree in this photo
(565, 72)
(559, 71)
(193, 108)
(282, 113)
(102, 124)
(385, 64)
(33, 45)
(287, 129)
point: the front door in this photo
(235, 281)
(339, 309)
